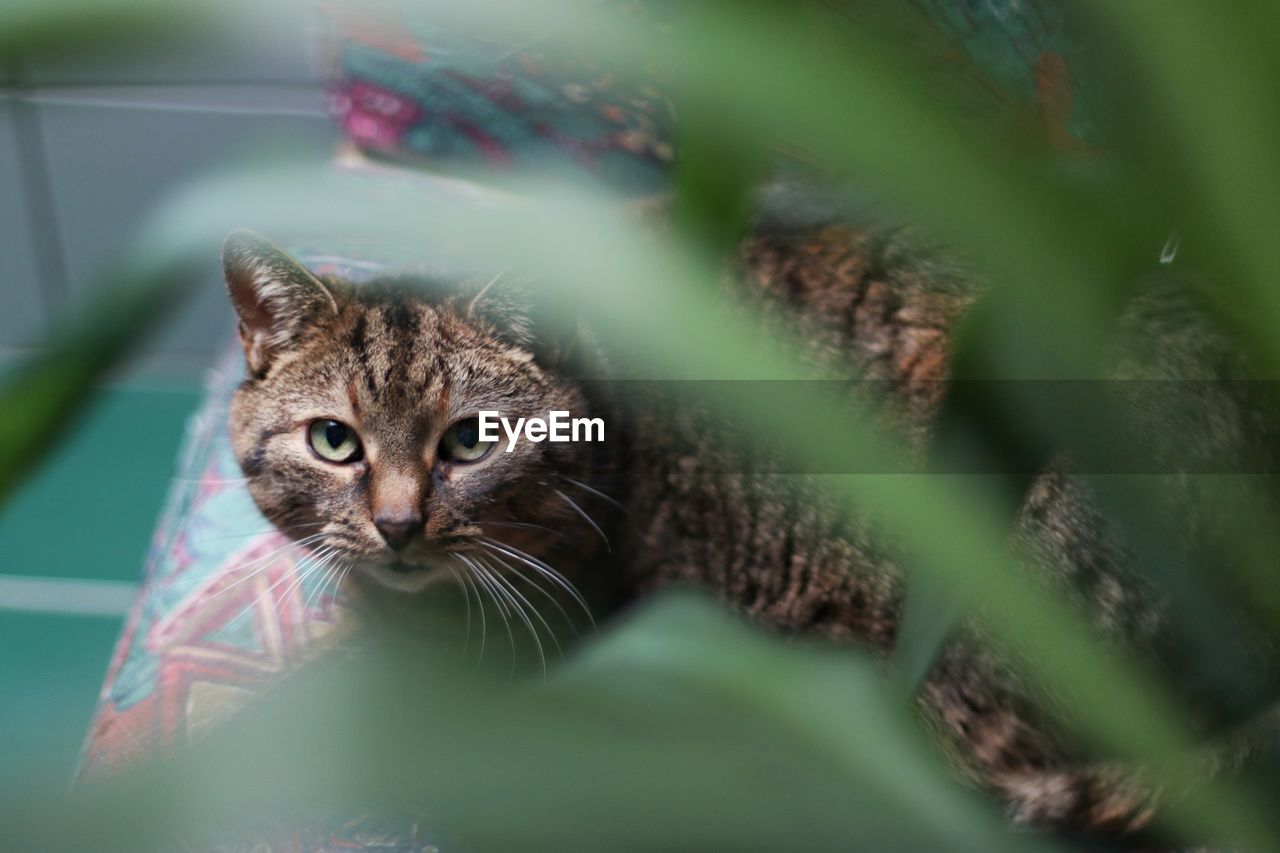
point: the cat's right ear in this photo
(275, 297)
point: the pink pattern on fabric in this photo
(374, 116)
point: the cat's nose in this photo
(398, 530)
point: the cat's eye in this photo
(334, 441)
(462, 442)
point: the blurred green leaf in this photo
(681, 730)
(42, 395)
(35, 28)
(1208, 76)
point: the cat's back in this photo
(859, 303)
(873, 304)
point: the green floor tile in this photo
(90, 510)
(50, 670)
(87, 513)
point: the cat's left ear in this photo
(522, 312)
(275, 297)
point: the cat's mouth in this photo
(404, 576)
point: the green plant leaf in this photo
(681, 729)
(41, 396)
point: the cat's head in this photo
(356, 425)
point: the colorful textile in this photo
(224, 610)
(407, 84)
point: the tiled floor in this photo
(87, 515)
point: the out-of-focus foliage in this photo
(647, 741)
(682, 731)
(44, 395)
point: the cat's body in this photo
(873, 305)
(403, 372)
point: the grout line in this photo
(42, 220)
(235, 99)
(22, 85)
(68, 596)
(160, 370)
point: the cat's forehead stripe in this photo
(400, 353)
(442, 401)
(357, 338)
(354, 397)
(402, 318)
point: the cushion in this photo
(405, 84)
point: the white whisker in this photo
(515, 570)
(484, 628)
(342, 576)
(519, 525)
(533, 611)
(482, 577)
(542, 568)
(588, 519)
(501, 589)
(205, 539)
(466, 598)
(331, 571)
(227, 481)
(270, 589)
(332, 576)
(325, 556)
(307, 540)
(593, 490)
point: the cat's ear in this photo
(522, 312)
(275, 297)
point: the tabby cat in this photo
(358, 418)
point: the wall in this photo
(89, 145)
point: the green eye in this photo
(462, 442)
(334, 441)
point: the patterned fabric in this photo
(408, 84)
(225, 608)
(405, 84)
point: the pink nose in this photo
(398, 531)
